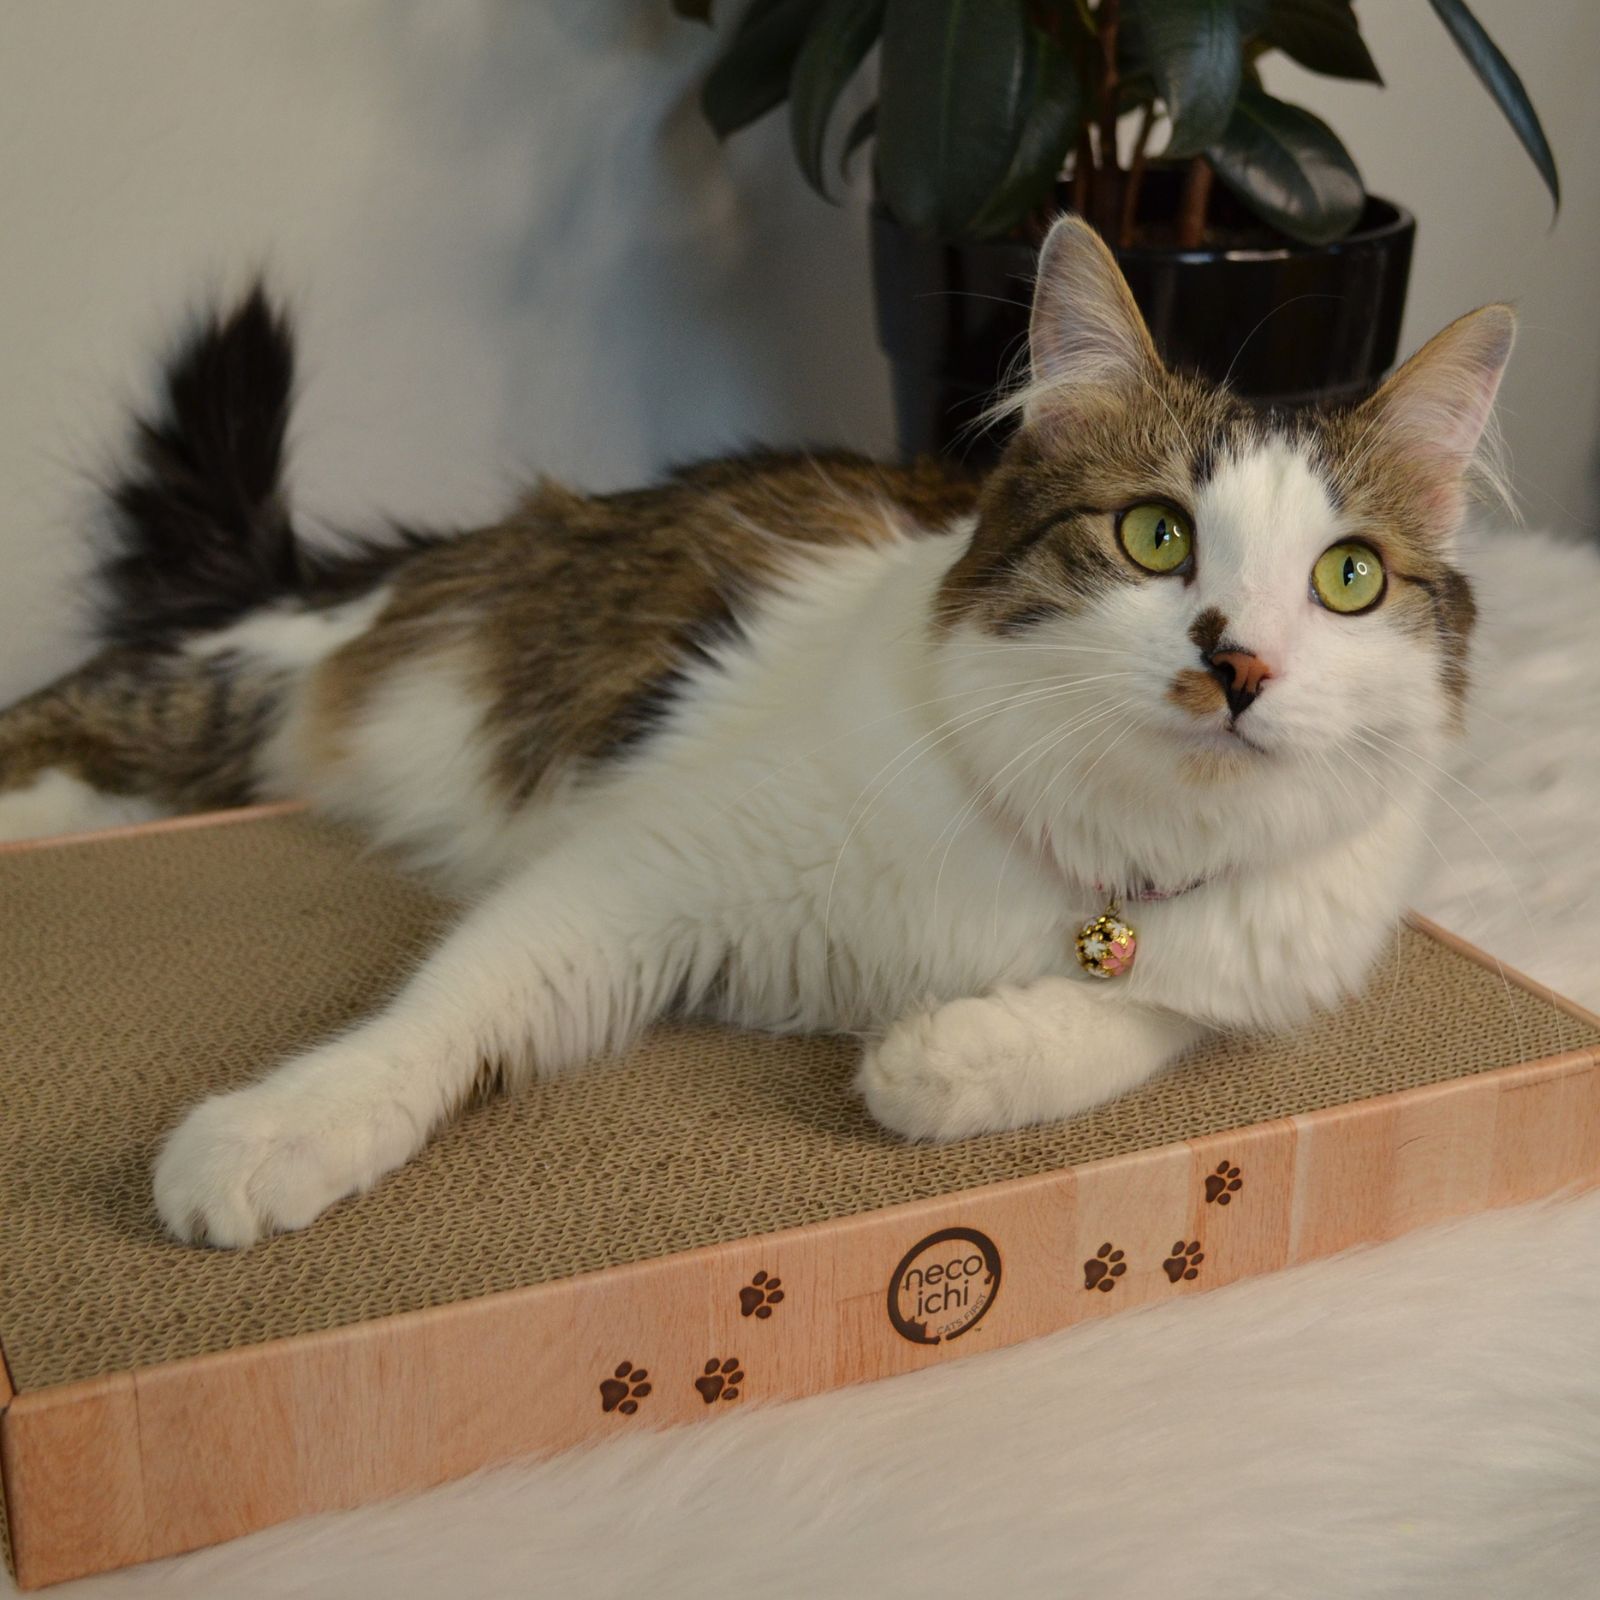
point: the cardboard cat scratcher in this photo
(712, 1224)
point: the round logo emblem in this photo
(943, 1285)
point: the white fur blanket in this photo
(1421, 1419)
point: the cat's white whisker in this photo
(797, 762)
(1051, 738)
(973, 806)
(947, 730)
(1444, 772)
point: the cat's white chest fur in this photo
(818, 787)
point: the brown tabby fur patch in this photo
(1196, 692)
(1207, 630)
(578, 614)
(132, 722)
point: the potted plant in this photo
(1250, 243)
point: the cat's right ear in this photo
(1438, 404)
(1433, 414)
(1086, 333)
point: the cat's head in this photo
(1194, 597)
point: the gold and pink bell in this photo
(1107, 946)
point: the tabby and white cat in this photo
(805, 742)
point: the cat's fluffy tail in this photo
(200, 529)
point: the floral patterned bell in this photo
(1107, 946)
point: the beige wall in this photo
(514, 246)
(513, 243)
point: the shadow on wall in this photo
(700, 297)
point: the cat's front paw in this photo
(965, 1068)
(260, 1161)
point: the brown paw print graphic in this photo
(624, 1389)
(1184, 1262)
(1223, 1184)
(1103, 1271)
(761, 1296)
(720, 1380)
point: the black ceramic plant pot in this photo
(1287, 325)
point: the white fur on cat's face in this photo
(1261, 522)
(1124, 782)
(1266, 516)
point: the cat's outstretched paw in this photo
(260, 1161)
(965, 1068)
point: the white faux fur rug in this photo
(1421, 1419)
(1517, 819)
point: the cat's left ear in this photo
(1086, 333)
(1436, 407)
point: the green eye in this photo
(1155, 536)
(1348, 578)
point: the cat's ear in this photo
(1436, 407)
(1086, 332)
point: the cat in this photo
(805, 742)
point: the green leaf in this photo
(861, 130)
(1193, 48)
(1289, 168)
(753, 75)
(839, 39)
(694, 10)
(1323, 36)
(1501, 80)
(1056, 104)
(951, 108)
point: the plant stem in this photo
(1082, 164)
(1130, 195)
(1082, 160)
(1109, 185)
(1192, 207)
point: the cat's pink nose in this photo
(1241, 674)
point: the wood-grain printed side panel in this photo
(1546, 1129)
(1241, 1198)
(7, 1394)
(240, 1441)
(74, 1481)
(1380, 1168)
